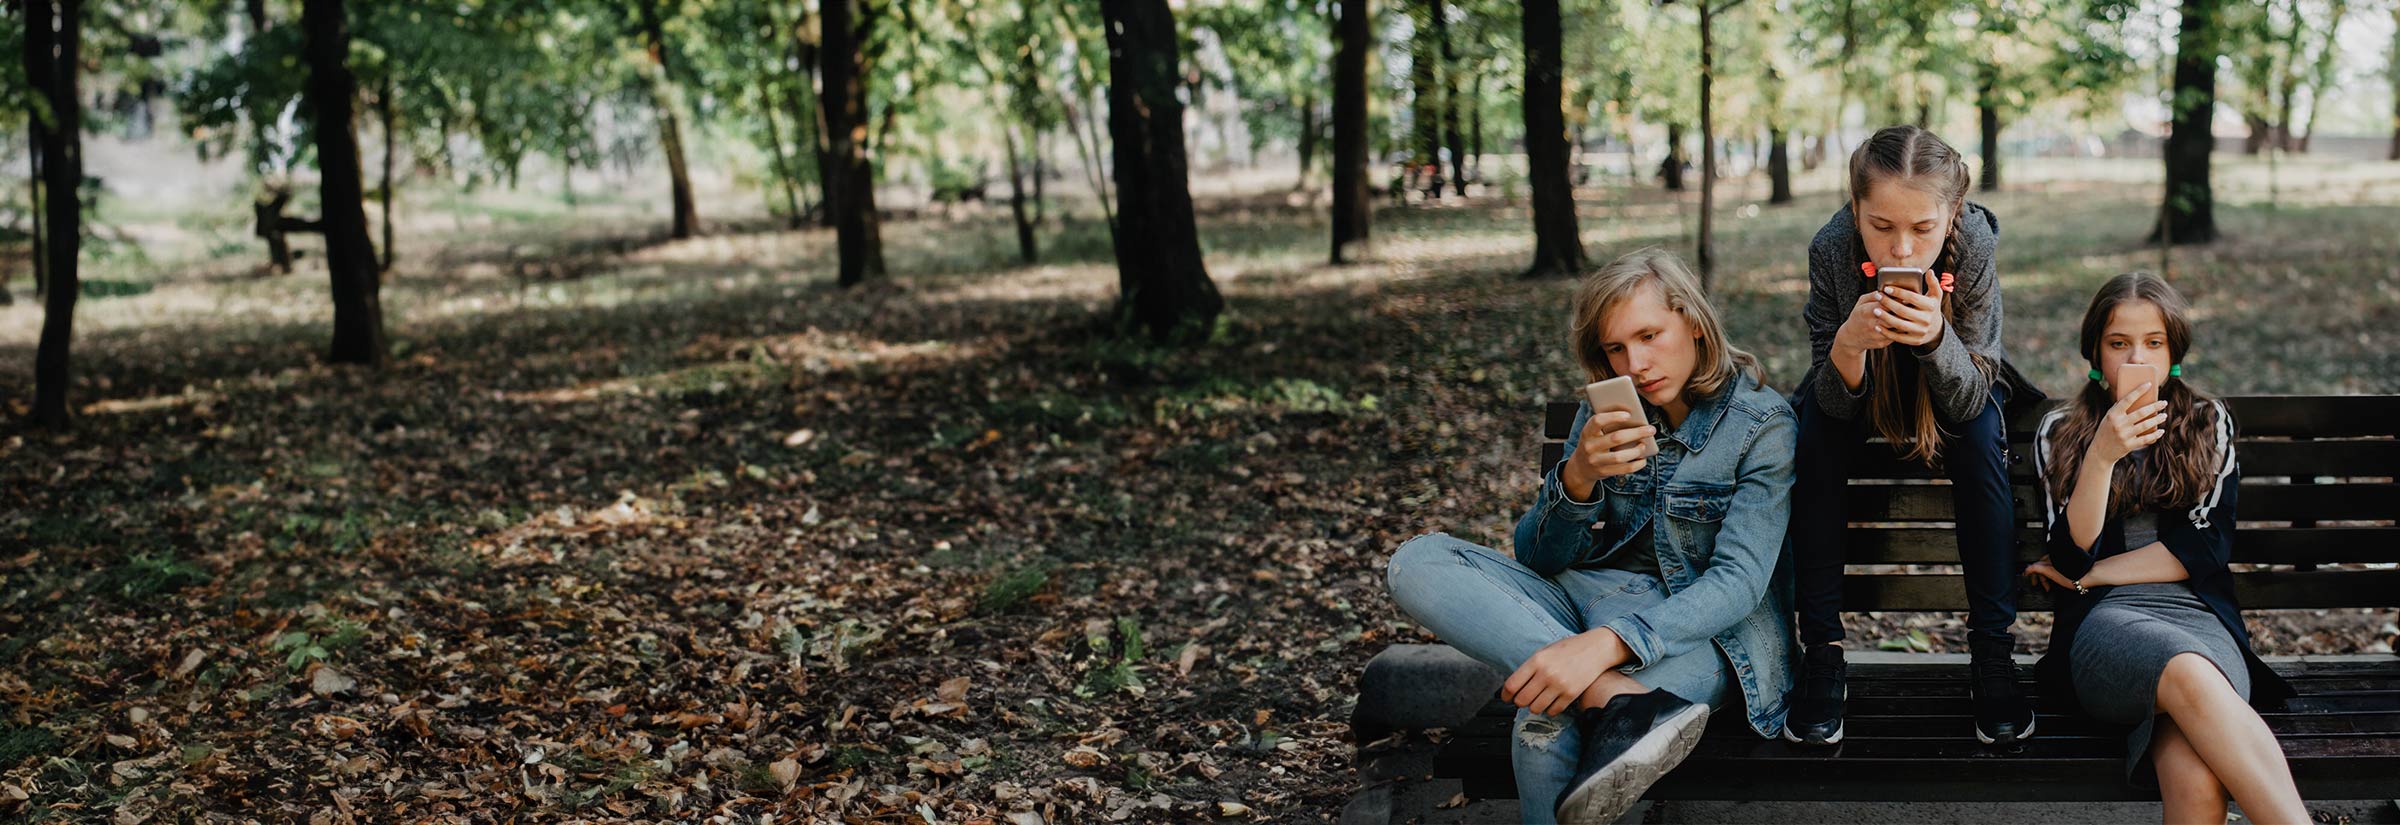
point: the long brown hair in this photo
(1618, 282)
(1901, 413)
(2184, 464)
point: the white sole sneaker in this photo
(2028, 734)
(1795, 739)
(1605, 796)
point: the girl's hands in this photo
(1908, 317)
(1864, 331)
(2042, 574)
(2126, 429)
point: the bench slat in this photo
(2255, 591)
(2252, 545)
(2260, 502)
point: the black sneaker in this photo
(1815, 717)
(1627, 745)
(2002, 717)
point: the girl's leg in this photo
(2192, 793)
(1499, 612)
(1820, 523)
(1976, 457)
(2230, 738)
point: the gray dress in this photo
(2124, 645)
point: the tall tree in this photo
(1162, 283)
(849, 177)
(1425, 104)
(1707, 252)
(1353, 212)
(2187, 214)
(53, 62)
(666, 100)
(2393, 69)
(1455, 139)
(1557, 244)
(349, 254)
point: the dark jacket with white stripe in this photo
(2201, 539)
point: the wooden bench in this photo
(2318, 504)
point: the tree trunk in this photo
(1671, 169)
(349, 254)
(52, 65)
(665, 100)
(1308, 138)
(1987, 112)
(1707, 252)
(849, 178)
(1557, 244)
(1424, 98)
(1026, 250)
(783, 171)
(1455, 138)
(1353, 214)
(2394, 70)
(1779, 166)
(1475, 129)
(34, 200)
(1162, 283)
(383, 110)
(2187, 214)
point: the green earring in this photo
(2096, 375)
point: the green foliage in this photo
(1013, 589)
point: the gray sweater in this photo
(1835, 283)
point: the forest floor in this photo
(640, 530)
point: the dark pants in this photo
(1976, 456)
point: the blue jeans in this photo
(1499, 612)
(1974, 456)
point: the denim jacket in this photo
(1718, 496)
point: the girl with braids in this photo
(1926, 372)
(2141, 516)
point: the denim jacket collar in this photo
(1704, 416)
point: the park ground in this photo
(633, 529)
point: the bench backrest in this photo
(2318, 490)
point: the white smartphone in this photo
(1618, 394)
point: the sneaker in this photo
(2002, 717)
(1627, 746)
(1816, 707)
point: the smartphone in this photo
(2130, 376)
(1617, 394)
(1909, 278)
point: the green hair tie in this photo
(2172, 372)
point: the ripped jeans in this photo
(1497, 611)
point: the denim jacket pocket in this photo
(1693, 501)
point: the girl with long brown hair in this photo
(2140, 518)
(1923, 369)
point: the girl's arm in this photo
(2152, 563)
(1959, 388)
(1836, 377)
(2071, 558)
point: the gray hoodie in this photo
(1835, 283)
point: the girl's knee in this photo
(2188, 678)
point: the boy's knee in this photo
(1416, 555)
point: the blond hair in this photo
(1719, 362)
